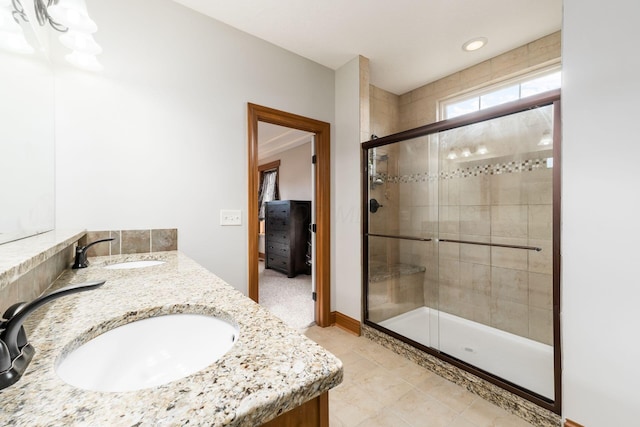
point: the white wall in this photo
(346, 251)
(294, 182)
(601, 197)
(159, 138)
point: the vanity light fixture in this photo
(474, 44)
(466, 152)
(70, 17)
(11, 34)
(482, 149)
(452, 154)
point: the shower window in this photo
(461, 243)
(522, 87)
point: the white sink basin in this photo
(148, 353)
(134, 264)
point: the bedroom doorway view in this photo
(303, 193)
(285, 200)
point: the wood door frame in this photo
(322, 131)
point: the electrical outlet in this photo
(230, 217)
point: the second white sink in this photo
(148, 353)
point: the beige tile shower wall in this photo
(418, 213)
(509, 289)
(419, 106)
(131, 241)
(384, 112)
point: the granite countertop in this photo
(270, 369)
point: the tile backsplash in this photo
(131, 241)
(37, 265)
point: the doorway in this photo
(321, 260)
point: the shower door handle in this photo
(499, 245)
(419, 239)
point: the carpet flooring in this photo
(287, 298)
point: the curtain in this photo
(268, 190)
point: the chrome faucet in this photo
(15, 350)
(81, 253)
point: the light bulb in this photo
(15, 42)
(80, 42)
(546, 138)
(482, 149)
(466, 152)
(452, 155)
(84, 61)
(7, 23)
(73, 14)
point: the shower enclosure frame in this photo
(541, 100)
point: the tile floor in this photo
(381, 388)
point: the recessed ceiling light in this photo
(546, 138)
(474, 44)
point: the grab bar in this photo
(530, 248)
(420, 239)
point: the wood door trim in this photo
(322, 131)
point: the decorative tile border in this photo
(518, 406)
(490, 169)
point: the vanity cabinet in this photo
(287, 236)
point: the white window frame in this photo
(494, 86)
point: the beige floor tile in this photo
(458, 422)
(381, 388)
(452, 395)
(412, 372)
(423, 411)
(485, 414)
(355, 366)
(429, 382)
(384, 419)
(353, 407)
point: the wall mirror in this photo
(26, 139)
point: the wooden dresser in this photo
(287, 236)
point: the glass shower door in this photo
(402, 275)
(461, 243)
(495, 247)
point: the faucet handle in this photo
(21, 338)
(5, 358)
(15, 351)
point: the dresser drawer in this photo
(277, 248)
(276, 224)
(277, 236)
(277, 262)
(278, 211)
(287, 236)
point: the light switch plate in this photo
(230, 217)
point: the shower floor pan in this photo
(522, 361)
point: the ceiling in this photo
(274, 139)
(409, 42)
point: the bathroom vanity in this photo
(271, 376)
